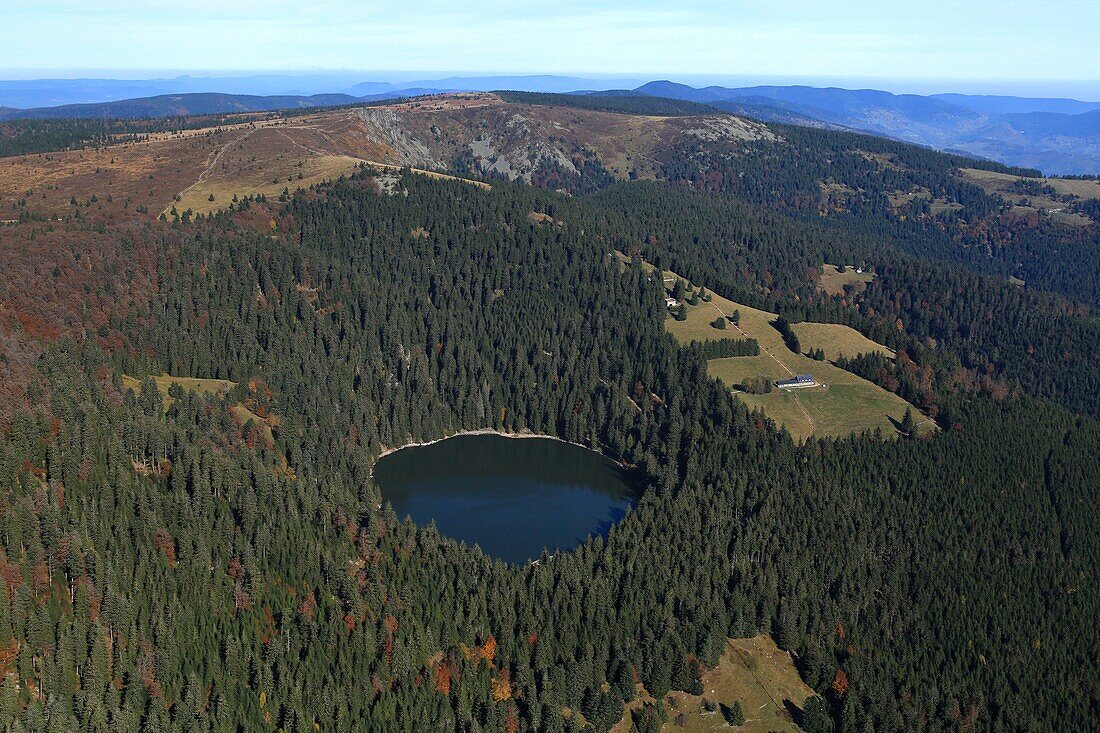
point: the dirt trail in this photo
(765, 349)
(780, 362)
(281, 129)
(802, 409)
(213, 163)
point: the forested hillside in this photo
(970, 329)
(181, 570)
(993, 220)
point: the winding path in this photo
(281, 129)
(766, 350)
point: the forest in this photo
(170, 566)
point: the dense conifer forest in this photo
(24, 137)
(186, 565)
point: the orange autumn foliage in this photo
(489, 649)
(486, 651)
(8, 655)
(235, 569)
(442, 676)
(308, 606)
(840, 682)
(502, 686)
(166, 544)
(511, 721)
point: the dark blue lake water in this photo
(512, 497)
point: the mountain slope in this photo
(353, 320)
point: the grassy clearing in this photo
(242, 415)
(832, 410)
(268, 159)
(269, 182)
(753, 672)
(841, 404)
(833, 281)
(1002, 183)
(219, 387)
(836, 340)
(289, 171)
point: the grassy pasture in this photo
(833, 281)
(752, 671)
(836, 340)
(833, 409)
(1001, 183)
(265, 160)
(219, 387)
(315, 169)
(841, 404)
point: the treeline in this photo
(24, 137)
(724, 348)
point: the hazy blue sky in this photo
(943, 39)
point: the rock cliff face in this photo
(387, 128)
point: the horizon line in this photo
(651, 75)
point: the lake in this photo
(512, 497)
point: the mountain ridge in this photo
(1057, 142)
(1055, 135)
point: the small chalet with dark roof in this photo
(797, 381)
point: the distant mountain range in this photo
(170, 105)
(1057, 136)
(36, 93)
(203, 103)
